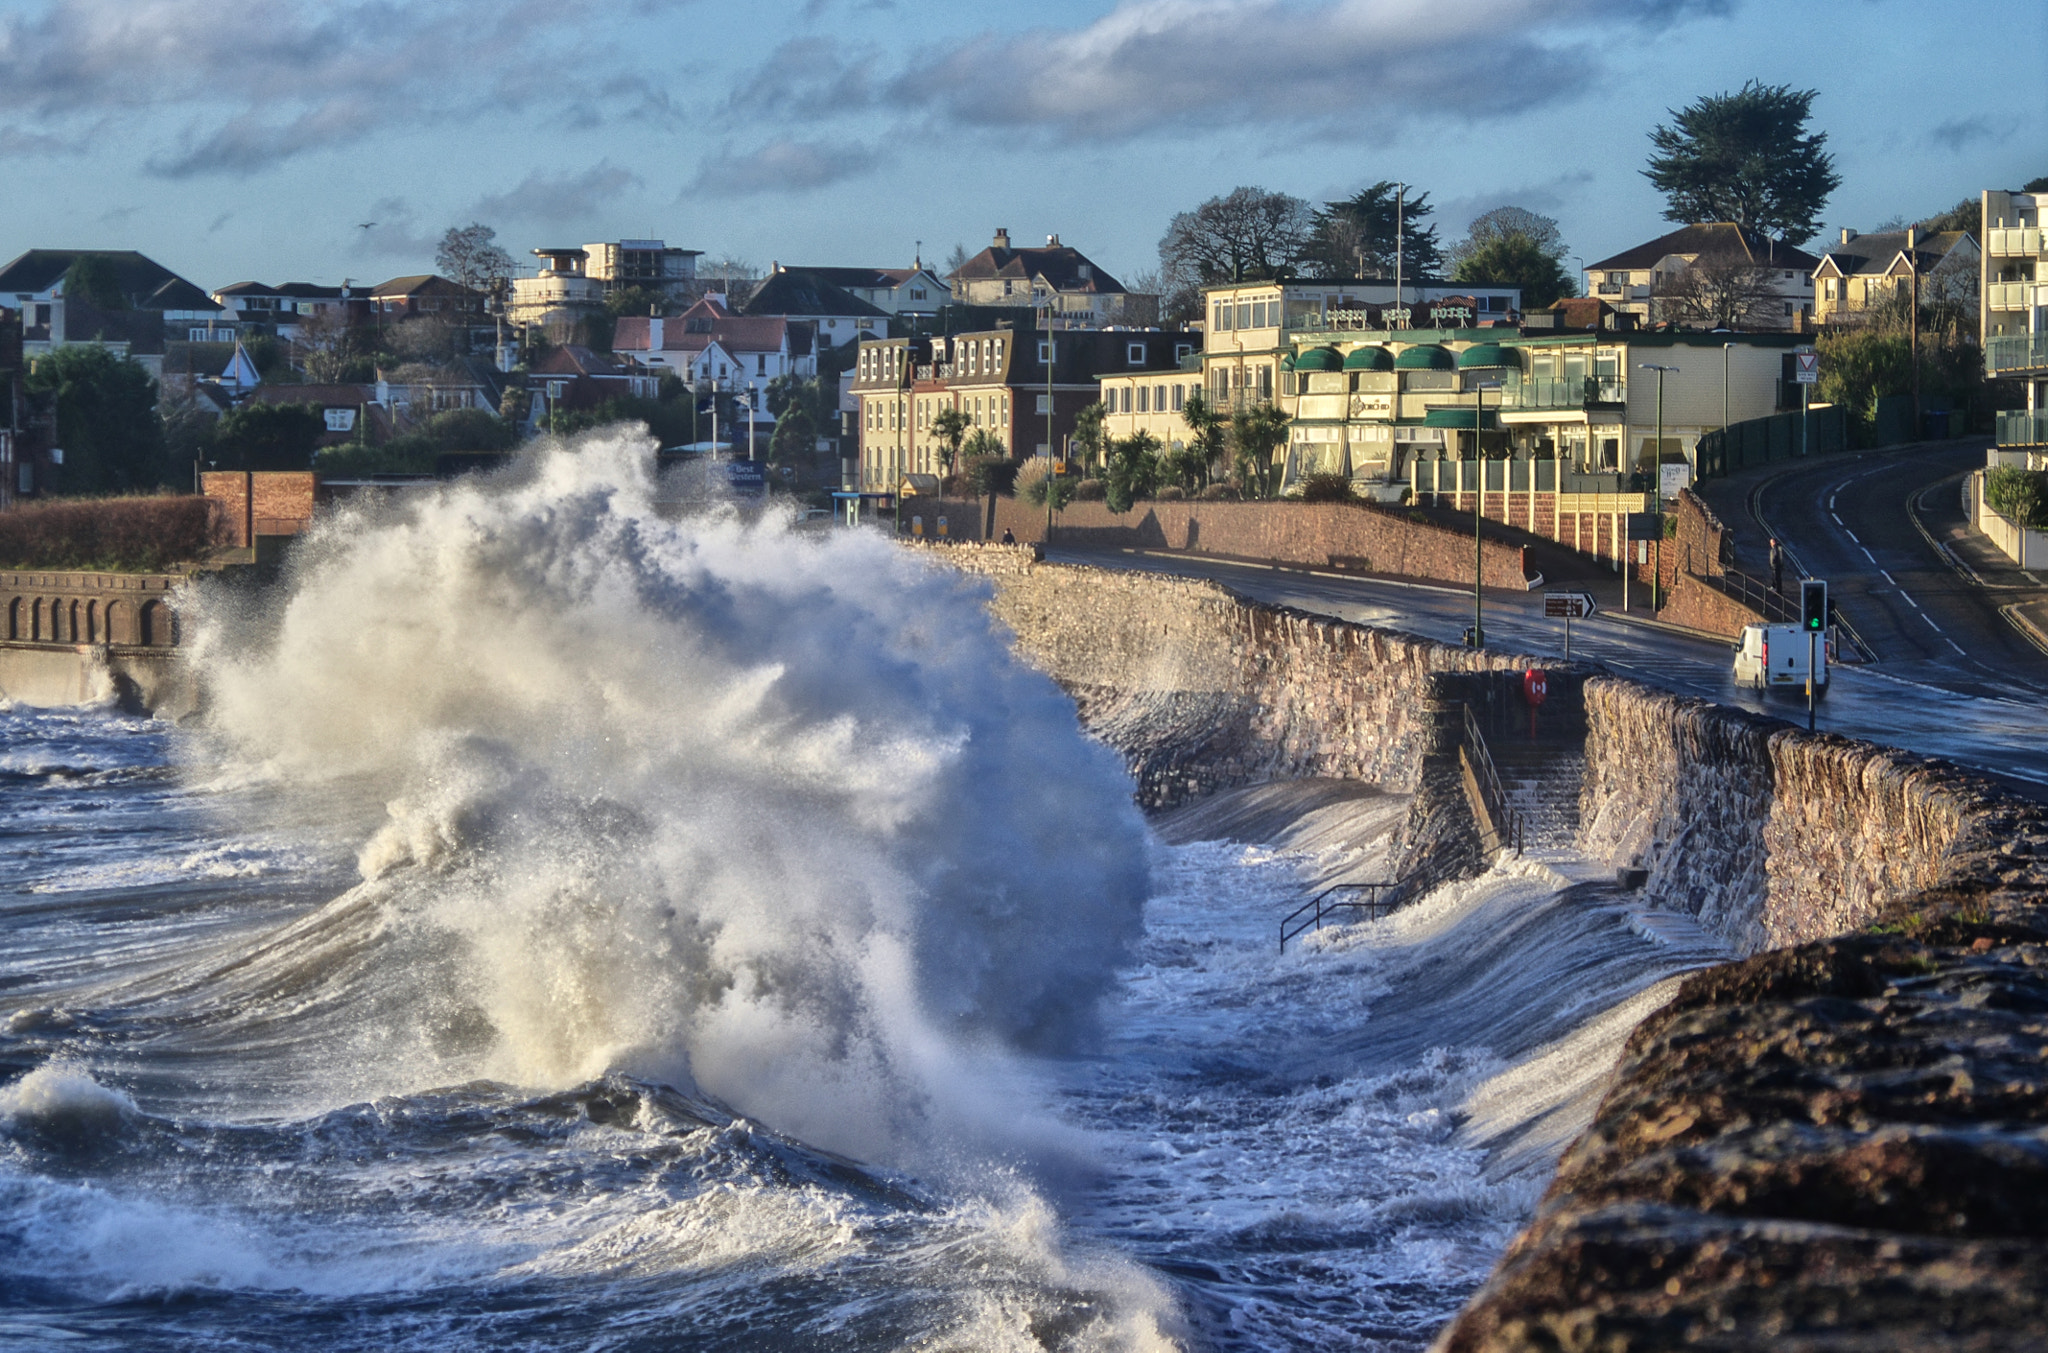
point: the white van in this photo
(1774, 657)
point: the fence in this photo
(1760, 441)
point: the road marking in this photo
(1868, 555)
(1910, 602)
(1838, 520)
(1888, 578)
(1831, 502)
(2030, 578)
(1957, 647)
(1852, 536)
(1930, 620)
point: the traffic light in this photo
(1813, 604)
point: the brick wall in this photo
(1308, 535)
(72, 609)
(262, 502)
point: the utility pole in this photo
(1479, 389)
(1400, 201)
(1726, 348)
(1913, 328)
(1657, 485)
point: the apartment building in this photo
(562, 293)
(1386, 407)
(1647, 281)
(2013, 301)
(1023, 387)
(1057, 278)
(652, 264)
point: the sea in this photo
(586, 915)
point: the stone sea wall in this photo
(1835, 1143)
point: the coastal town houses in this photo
(257, 308)
(1252, 324)
(1024, 387)
(708, 343)
(807, 296)
(913, 292)
(1057, 278)
(560, 295)
(140, 304)
(2013, 313)
(651, 265)
(1394, 409)
(1864, 275)
(1650, 281)
(572, 378)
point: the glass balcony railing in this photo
(1563, 392)
(2016, 352)
(2017, 427)
(2014, 241)
(2009, 295)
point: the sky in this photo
(323, 140)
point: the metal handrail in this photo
(1378, 899)
(1509, 821)
(1754, 593)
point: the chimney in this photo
(1002, 237)
(1848, 233)
(1052, 241)
(1912, 236)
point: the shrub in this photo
(2020, 496)
(1090, 491)
(1327, 488)
(129, 535)
(1172, 493)
(1218, 493)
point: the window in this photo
(1223, 314)
(1009, 288)
(760, 364)
(1178, 399)
(1045, 353)
(917, 293)
(997, 349)
(1258, 314)
(1788, 307)
(1244, 315)
(1144, 399)
(1134, 354)
(1265, 382)
(1045, 404)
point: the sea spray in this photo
(692, 796)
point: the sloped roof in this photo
(423, 284)
(573, 359)
(138, 276)
(1060, 266)
(1716, 237)
(178, 294)
(327, 396)
(793, 291)
(1877, 252)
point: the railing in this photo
(1563, 392)
(1365, 901)
(2016, 352)
(2009, 295)
(2014, 241)
(2017, 427)
(1756, 594)
(1507, 823)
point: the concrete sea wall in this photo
(1835, 1143)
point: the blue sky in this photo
(255, 139)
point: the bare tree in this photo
(325, 345)
(1244, 235)
(731, 274)
(469, 255)
(1722, 290)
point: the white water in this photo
(552, 880)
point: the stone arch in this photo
(39, 623)
(93, 631)
(71, 630)
(120, 623)
(157, 625)
(14, 618)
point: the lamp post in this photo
(1479, 389)
(1657, 486)
(1726, 348)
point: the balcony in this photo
(1563, 392)
(2014, 242)
(2016, 352)
(2017, 427)
(2009, 295)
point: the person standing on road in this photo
(1777, 567)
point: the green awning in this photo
(1287, 362)
(1460, 419)
(1319, 359)
(1425, 357)
(1368, 358)
(1488, 355)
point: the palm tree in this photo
(1255, 434)
(950, 427)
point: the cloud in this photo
(390, 228)
(1549, 196)
(1959, 133)
(1336, 67)
(243, 88)
(783, 166)
(561, 198)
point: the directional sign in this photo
(1806, 368)
(1568, 605)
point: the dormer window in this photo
(1134, 354)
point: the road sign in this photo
(1568, 605)
(1806, 368)
(1535, 686)
(1645, 526)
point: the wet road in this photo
(1852, 520)
(2005, 736)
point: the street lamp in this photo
(1657, 483)
(1479, 389)
(1726, 348)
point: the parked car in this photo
(1774, 657)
